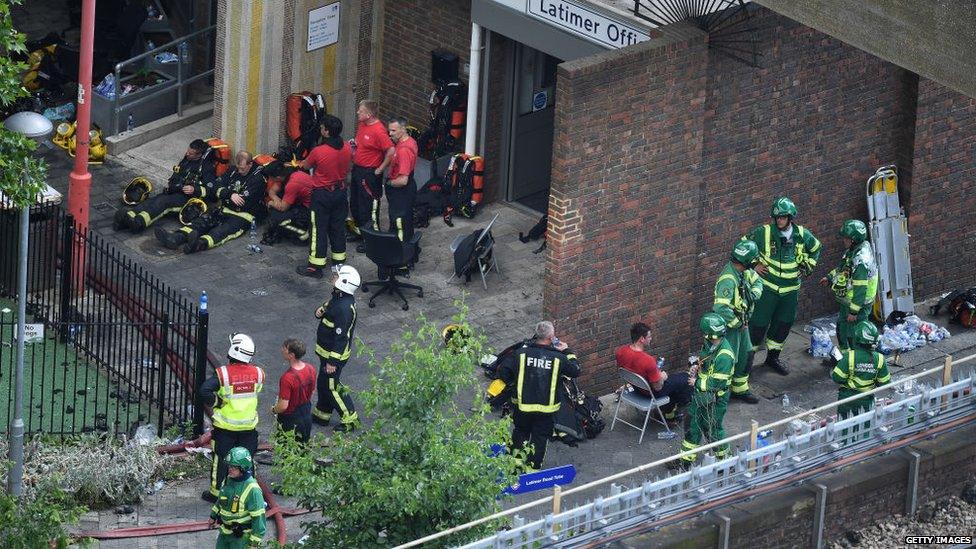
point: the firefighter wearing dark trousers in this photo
(240, 510)
(333, 345)
(710, 376)
(329, 163)
(737, 289)
(372, 153)
(241, 193)
(860, 370)
(233, 395)
(401, 189)
(189, 180)
(787, 253)
(290, 214)
(854, 282)
(534, 372)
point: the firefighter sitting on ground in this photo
(239, 511)
(859, 370)
(289, 217)
(241, 193)
(737, 290)
(787, 253)
(710, 377)
(854, 283)
(189, 180)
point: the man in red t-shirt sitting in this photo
(289, 209)
(633, 357)
(294, 406)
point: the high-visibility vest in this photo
(237, 408)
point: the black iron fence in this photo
(119, 348)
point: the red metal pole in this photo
(79, 181)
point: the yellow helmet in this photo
(63, 134)
(193, 209)
(136, 191)
(496, 388)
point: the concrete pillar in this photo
(261, 57)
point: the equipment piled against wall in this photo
(889, 234)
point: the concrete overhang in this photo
(935, 39)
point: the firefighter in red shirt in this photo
(329, 163)
(294, 405)
(633, 357)
(290, 215)
(233, 396)
(372, 153)
(401, 189)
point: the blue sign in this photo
(540, 480)
(540, 100)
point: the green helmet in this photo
(783, 206)
(855, 230)
(745, 252)
(239, 457)
(712, 325)
(865, 334)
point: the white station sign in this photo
(578, 19)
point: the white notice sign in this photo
(35, 333)
(583, 21)
(323, 27)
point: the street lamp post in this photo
(34, 126)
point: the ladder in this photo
(889, 236)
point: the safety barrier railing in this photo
(184, 51)
(801, 447)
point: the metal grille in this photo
(730, 26)
(120, 348)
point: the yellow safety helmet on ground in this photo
(193, 209)
(136, 191)
(63, 134)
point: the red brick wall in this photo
(684, 150)
(943, 190)
(412, 28)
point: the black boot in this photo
(170, 239)
(135, 224)
(120, 221)
(746, 397)
(773, 361)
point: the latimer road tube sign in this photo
(578, 19)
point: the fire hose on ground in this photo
(274, 511)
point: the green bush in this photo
(421, 466)
(44, 515)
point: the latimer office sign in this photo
(583, 21)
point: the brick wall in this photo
(683, 150)
(364, 46)
(411, 29)
(943, 192)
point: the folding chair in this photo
(643, 403)
(483, 250)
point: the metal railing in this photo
(801, 447)
(119, 349)
(183, 52)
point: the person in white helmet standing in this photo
(233, 395)
(333, 345)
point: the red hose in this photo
(273, 512)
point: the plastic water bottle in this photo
(786, 403)
(184, 52)
(203, 301)
(254, 230)
(130, 123)
(150, 46)
(660, 363)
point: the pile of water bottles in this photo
(910, 334)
